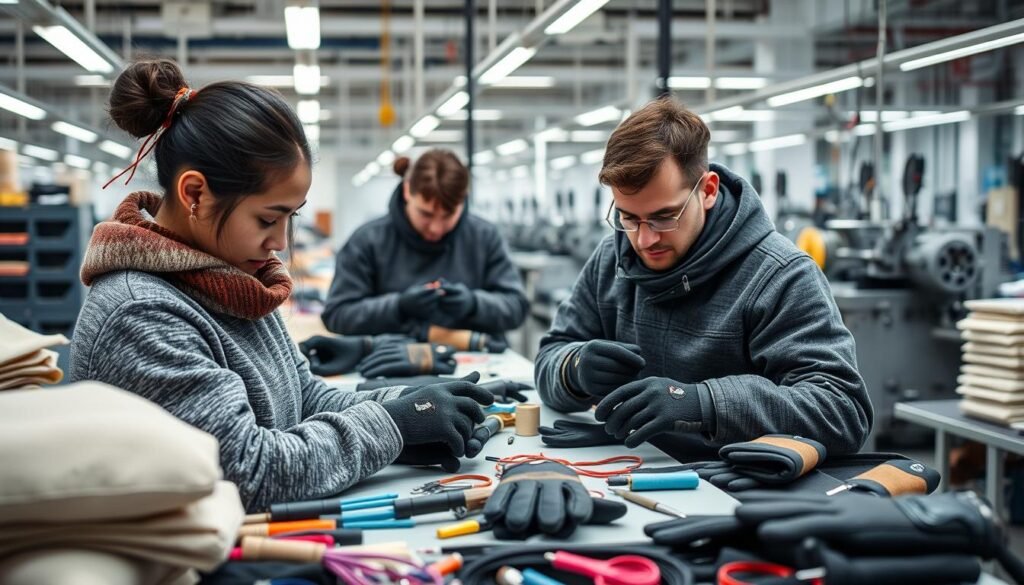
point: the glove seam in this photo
(573, 392)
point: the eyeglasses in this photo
(656, 224)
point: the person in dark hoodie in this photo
(696, 324)
(427, 262)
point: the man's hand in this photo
(645, 408)
(335, 354)
(419, 301)
(600, 366)
(458, 301)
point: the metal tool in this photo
(648, 503)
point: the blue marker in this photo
(676, 480)
(381, 524)
(317, 508)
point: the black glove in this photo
(334, 354)
(545, 498)
(774, 459)
(483, 342)
(701, 533)
(441, 414)
(718, 473)
(645, 408)
(570, 433)
(429, 454)
(505, 391)
(396, 360)
(841, 569)
(458, 301)
(955, 522)
(599, 366)
(419, 302)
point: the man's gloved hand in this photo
(442, 414)
(331, 355)
(419, 301)
(570, 433)
(395, 360)
(458, 301)
(479, 341)
(545, 498)
(645, 408)
(600, 366)
(505, 391)
(429, 454)
(954, 522)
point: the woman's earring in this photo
(193, 216)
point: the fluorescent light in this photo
(573, 16)
(740, 82)
(75, 48)
(864, 130)
(833, 136)
(478, 115)
(506, 65)
(8, 144)
(79, 162)
(100, 168)
(403, 144)
(443, 136)
(555, 134)
(598, 116)
(588, 136)
(312, 132)
(740, 114)
(372, 168)
(520, 172)
(92, 81)
(306, 78)
(807, 93)
(501, 175)
(512, 147)
(592, 156)
(39, 152)
(562, 162)
(303, 25)
(386, 158)
(1019, 111)
(25, 109)
(962, 52)
(78, 133)
(689, 82)
(453, 104)
(871, 116)
(526, 81)
(483, 157)
(777, 142)
(115, 148)
(280, 80)
(424, 126)
(931, 120)
(734, 149)
(308, 111)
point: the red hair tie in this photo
(183, 96)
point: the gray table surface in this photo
(945, 415)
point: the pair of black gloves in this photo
(633, 411)
(381, 355)
(857, 538)
(425, 301)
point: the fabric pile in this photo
(103, 483)
(991, 378)
(25, 360)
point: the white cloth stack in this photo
(24, 359)
(991, 378)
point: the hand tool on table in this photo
(620, 570)
(676, 480)
(316, 508)
(648, 503)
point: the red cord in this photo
(577, 466)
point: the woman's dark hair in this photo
(438, 174)
(240, 136)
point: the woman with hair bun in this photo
(186, 286)
(388, 272)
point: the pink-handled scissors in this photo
(620, 570)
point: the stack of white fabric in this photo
(25, 360)
(991, 378)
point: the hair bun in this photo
(143, 93)
(401, 165)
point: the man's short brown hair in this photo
(438, 175)
(662, 128)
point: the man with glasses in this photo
(695, 324)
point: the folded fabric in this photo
(92, 452)
(199, 535)
(1002, 326)
(998, 361)
(992, 338)
(85, 567)
(17, 341)
(992, 372)
(1004, 414)
(1005, 307)
(1008, 398)
(35, 369)
(993, 349)
(1001, 384)
(774, 459)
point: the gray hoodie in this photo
(745, 315)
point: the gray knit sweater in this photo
(284, 434)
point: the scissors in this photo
(728, 573)
(620, 570)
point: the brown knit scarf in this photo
(131, 242)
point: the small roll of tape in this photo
(527, 420)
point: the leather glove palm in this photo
(600, 366)
(419, 301)
(395, 360)
(646, 408)
(331, 355)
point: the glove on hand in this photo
(569, 433)
(440, 413)
(600, 366)
(335, 354)
(395, 360)
(646, 408)
(483, 342)
(458, 301)
(545, 498)
(505, 391)
(419, 302)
